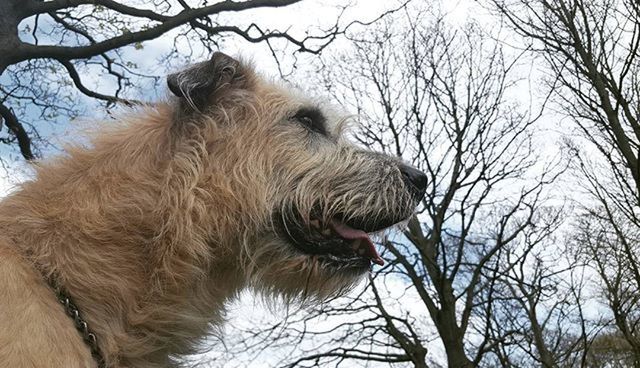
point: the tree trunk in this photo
(452, 336)
(10, 17)
(456, 357)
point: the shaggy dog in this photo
(147, 232)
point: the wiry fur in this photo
(166, 216)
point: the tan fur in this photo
(164, 217)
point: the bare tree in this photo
(611, 248)
(441, 98)
(591, 51)
(537, 310)
(51, 52)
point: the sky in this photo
(306, 16)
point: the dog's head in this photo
(303, 199)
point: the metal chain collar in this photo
(81, 325)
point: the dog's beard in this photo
(278, 270)
(302, 261)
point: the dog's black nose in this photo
(415, 180)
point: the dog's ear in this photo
(199, 84)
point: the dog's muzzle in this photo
(343, 239)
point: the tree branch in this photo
(29, 51)
(24, 142)
(75, 77)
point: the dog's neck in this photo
(148, 291)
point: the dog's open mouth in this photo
(350, 242)
(335, 242)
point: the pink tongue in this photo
(347, 232)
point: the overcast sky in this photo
(307, 16)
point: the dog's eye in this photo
(312, 119)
